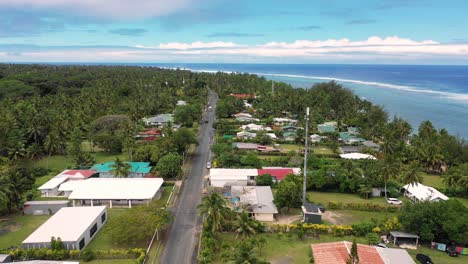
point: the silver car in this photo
(208, 165)
(394, 201)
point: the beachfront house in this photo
(116, 192)
(327, 127)
(75, 226)
(257, 200)
(418, 193)
(137, 169)
(158, 120)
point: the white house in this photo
(356, 156)
(242, 115)
(259, 200)
(272, 135)
(158, 120)
(246, 135)
(116, 191)
(231, 177)
(181, 102)
(51, 188)
(284, 121)
(419, 192)
(255, 127)
(314, 138)
(75, 226)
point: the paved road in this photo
(182, 238)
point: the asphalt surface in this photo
(180, 247)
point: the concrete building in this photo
(123, 192)
(258, 200)
(231, 177)
(75, 226)
(44, 207)
(311, 213)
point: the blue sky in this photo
(292, 31)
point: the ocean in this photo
(413, 92)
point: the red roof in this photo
(338, 253)
(85, 173)
(151, 131)
(279, 174)
(243, 96)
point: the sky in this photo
(235, 31)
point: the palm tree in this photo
(390, 169)
(213, 207)
(51, 144)
(244, 225)
(245, 254)
(120, 168)
(452, 179)
(413, 174)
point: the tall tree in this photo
(213, 207)
(390, 168)
(244, 225)
(120, 168)
(413, 174)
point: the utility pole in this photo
(306, 148)
(272, 86)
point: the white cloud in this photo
(111, 9)
(196, 45)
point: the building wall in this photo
(43, 209)
(265, 217)
(312, 218)
(50, 192)
(222, 183)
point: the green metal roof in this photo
(136, 167)
(345, 136)
(325, 128)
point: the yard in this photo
(16, 228)
(288, 249)
(324, 198)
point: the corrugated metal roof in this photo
(259, 197)
(395, 255)
(69, 223)
(53, 183)
(424, 193)
(232, 173)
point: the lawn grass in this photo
(324, 198)
(433, 181)
(349, 217)
(103, 240)
(290, 147)
(289, 249)
(321, 150)
(16, 228)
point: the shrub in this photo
(361, 229)
(87, 255)
(372, 238)
(39, 171)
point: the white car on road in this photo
(394, 201)
(208, 165)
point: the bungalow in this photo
(338, 253)
(149, 134)
(245, 146)
(247, 105)
(418, 193)
(242, 115)
(258, 200)
(311, 214)
(370, 144)
(289, 128)
(246, 135)
(327, 127)
(159, 120)
(51, 187)
(255, 127)
(348, 138)
(272, 136)
(353, 130)
(350, 149)
(281, 121)
(137, 169)
(75, 226)
(116, 191)
(261, 148)
(181, 102)
(246, 119)
(289, 136)
(232, 177)
(357, 156)
(314, 138)
(278, 173)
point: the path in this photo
(183, 235)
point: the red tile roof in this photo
(151, 131)
(338, 253)
(85, 173)
(279, 174)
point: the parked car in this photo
(394, 201)
(423, 259)
(208, 165)
(382, 245)
(322, 208)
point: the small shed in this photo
(311, 213)
(402, 238)
(44, 207)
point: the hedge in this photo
(335, 230)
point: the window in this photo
(82, 243)
(93, 230)
(103, 218)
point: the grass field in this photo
(322, 150)
(349, 217)
(433, 180)
(324, 198)
(288, 249)
(112, 261)
(15, 228)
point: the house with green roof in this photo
(137, 169)
(349, 138)
(327, 127)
